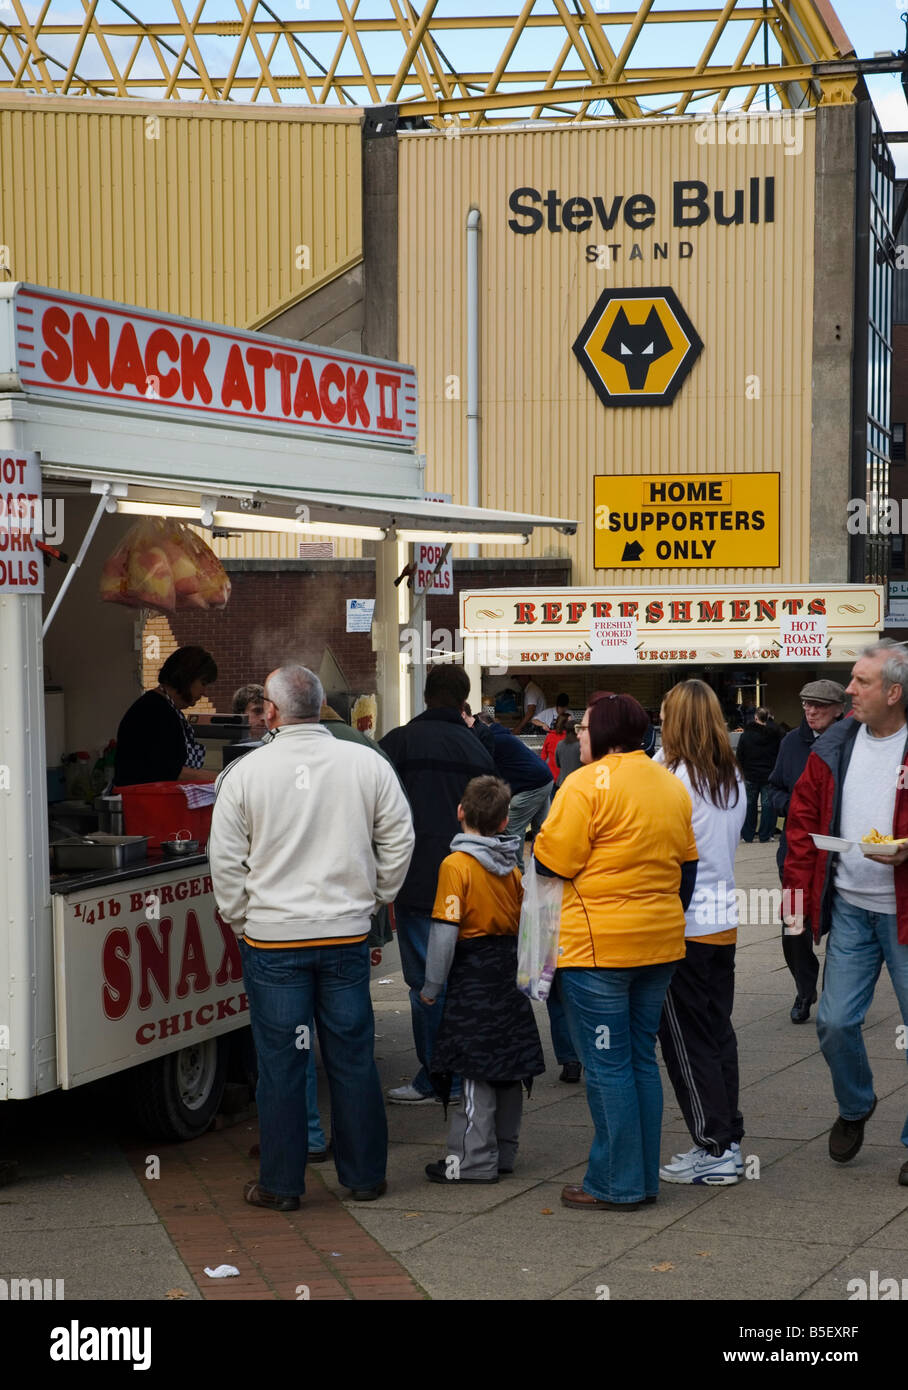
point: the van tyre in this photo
(176, 1097)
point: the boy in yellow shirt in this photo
(488, 1034)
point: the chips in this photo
(875, 838)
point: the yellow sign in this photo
(687, 521)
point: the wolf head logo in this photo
(637, 346)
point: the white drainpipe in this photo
(474, 218)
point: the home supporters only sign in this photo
(563, 627)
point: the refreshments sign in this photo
(674, 626)
(94, 351)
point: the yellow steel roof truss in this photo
(575, 55)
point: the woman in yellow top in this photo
(620, 834)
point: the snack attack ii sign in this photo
(93, 351)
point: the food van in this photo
(109, 412)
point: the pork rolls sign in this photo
(72, 346)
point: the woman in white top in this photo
(698, 1041)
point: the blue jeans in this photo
(561, 1033)
(316, 1135)
(856, 947)
(285, 988)
(413, 942)
(754, 791)
(614, 1019)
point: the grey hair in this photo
(895, 666)
(297, 692)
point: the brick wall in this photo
(283, 611)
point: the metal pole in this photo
(71, 572)
(474, 218)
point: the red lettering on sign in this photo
(333, 406)
(387, 420)
(193, 966)
(740, 610)
(154, 960)
(58, 362)
(162, 340)
(128, 368)
(205, 1009)
(654, 611)
(711, 612)
(526, 613)
(574, 611)
(117, 990)
(259, 359)
(231, 966)
(193, 357)
(357, 382)
(235, 386)
(817, 605)
(551, 612)
(136, 902)
(286, 366)
(224, 1008)
(148, 1028)
(306, 402)
(602, 610)
(91, 350)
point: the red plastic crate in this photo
(159, 810)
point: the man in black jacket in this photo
(435, 755)
(824, 703)
(757, 750)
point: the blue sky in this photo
(872, 25)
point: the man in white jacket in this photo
(309, 834)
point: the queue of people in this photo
(320, 828)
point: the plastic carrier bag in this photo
(537, 938)
(160, 563)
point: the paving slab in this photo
(678, 1264)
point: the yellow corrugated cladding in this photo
(202, 212)
(747, 289)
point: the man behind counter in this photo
(155, 742)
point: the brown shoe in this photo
(257, 1197)
(576, 1197)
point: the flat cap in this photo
(824, 692)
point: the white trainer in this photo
(702, 1168)
(408, 1095)
(735, 1149)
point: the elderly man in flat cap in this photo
(823, 703)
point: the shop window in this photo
(898, 443)
(897, 552)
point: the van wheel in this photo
(176, 1097)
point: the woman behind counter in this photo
(155, 742)
(620, 833)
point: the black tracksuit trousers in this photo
(699, 1045)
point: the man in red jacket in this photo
(856, 779)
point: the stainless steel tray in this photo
(100, 852)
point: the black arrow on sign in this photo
(632, 551)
